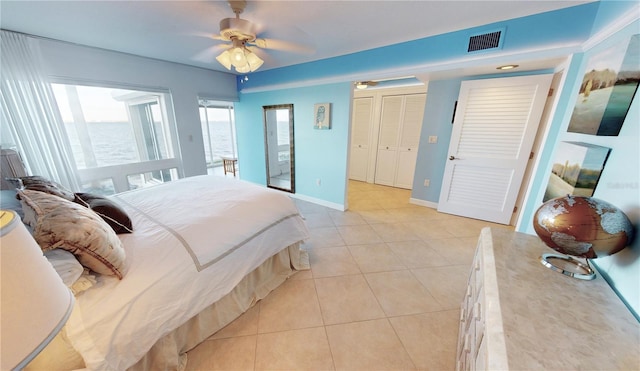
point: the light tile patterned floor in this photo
(383, 293)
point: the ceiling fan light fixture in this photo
(225, 59)
(243, 69)
(361, 85)
(253, 60)
(238, 56)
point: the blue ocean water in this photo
(113, 143)
(221, 142)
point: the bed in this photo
(202, 251)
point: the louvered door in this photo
(388, 140)
(413, 113)
(493, 131)
(361, 124)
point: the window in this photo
(117, 132)
(218, 132)
(282, 117)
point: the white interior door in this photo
(493, 131)
(409, 139)
(388, 140)
(361, 124)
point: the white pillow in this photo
(67, 266)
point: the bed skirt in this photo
(170, 352)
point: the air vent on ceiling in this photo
(489, 40)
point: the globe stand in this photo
(568, 266)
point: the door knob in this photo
(452, 158)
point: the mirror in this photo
(278, 141)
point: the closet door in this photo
(361, 124)
(410, 129)
(390, 122)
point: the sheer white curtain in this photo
(30, 112)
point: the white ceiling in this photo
(180, 30)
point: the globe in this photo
(585, 227)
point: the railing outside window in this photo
(121, 138)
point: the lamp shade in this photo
(35, 302)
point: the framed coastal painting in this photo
(576, 170)
(322, 116)
(607, 90)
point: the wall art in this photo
(322, 116)
(607, 90)
(576, 169)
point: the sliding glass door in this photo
(218, 133)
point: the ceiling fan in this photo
(243, 34)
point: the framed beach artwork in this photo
(607, 90)
(322, 116)
(576, 170)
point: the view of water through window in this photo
(108, 126)
(218, 132)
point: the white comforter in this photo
(193, 241)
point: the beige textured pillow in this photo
(63, 224)
(38, 183)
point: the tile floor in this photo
(383, 293)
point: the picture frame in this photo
(607, 90)
(576, 170)
(322, 116)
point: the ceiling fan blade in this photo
(207, 35)
(209, 54)
(284, 38)
(283, 46)
(218, 37)
(260, 53)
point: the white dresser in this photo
(519, 315)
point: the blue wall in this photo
(620, 180)
(438, 115)
(610, 10)
(561, 27)
(536, 32)
(324, 155)
(432, 157)
(319, 154)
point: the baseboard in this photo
(320, 202)
(415, 201)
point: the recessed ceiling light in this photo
(507, 67)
